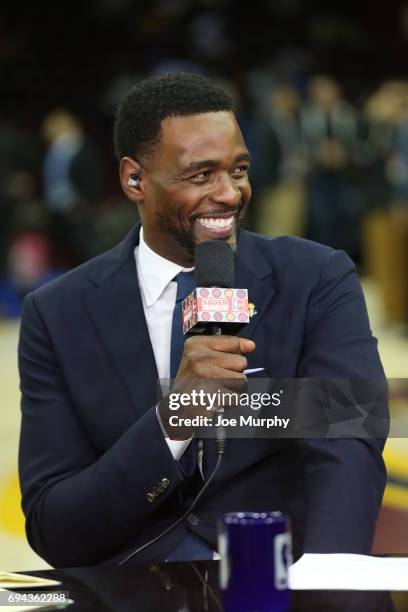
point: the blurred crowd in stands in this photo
(324, 167)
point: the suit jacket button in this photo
(150, 497)
(193, 519)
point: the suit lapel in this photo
(116, 310)
(251, 272)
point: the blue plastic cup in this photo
(256, 552)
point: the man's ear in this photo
(130, 174)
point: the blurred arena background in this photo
(321, 92)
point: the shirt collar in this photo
(154, 271)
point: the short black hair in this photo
(143, 108)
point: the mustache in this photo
(219, 211)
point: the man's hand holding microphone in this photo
(212, 363)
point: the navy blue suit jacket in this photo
(91, 446)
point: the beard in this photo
(186, 238)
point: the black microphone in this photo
(215, 306)
(214, 264)
(214, 267)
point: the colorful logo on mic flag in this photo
(215, 305)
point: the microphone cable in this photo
(220, 442)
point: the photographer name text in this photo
(220, 420)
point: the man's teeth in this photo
(216, 223)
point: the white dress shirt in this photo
(155, 276)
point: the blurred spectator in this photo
(397, 169)
(386, 180)
(72, 166)
(29, 266)
(382, 112)
(329, 127)
(327, 117)
(281, 207)
(73, 181)
(28, 258)
(19, 164)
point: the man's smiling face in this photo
(195, 185)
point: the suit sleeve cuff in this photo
(177, 447)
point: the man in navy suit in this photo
(101, 471)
